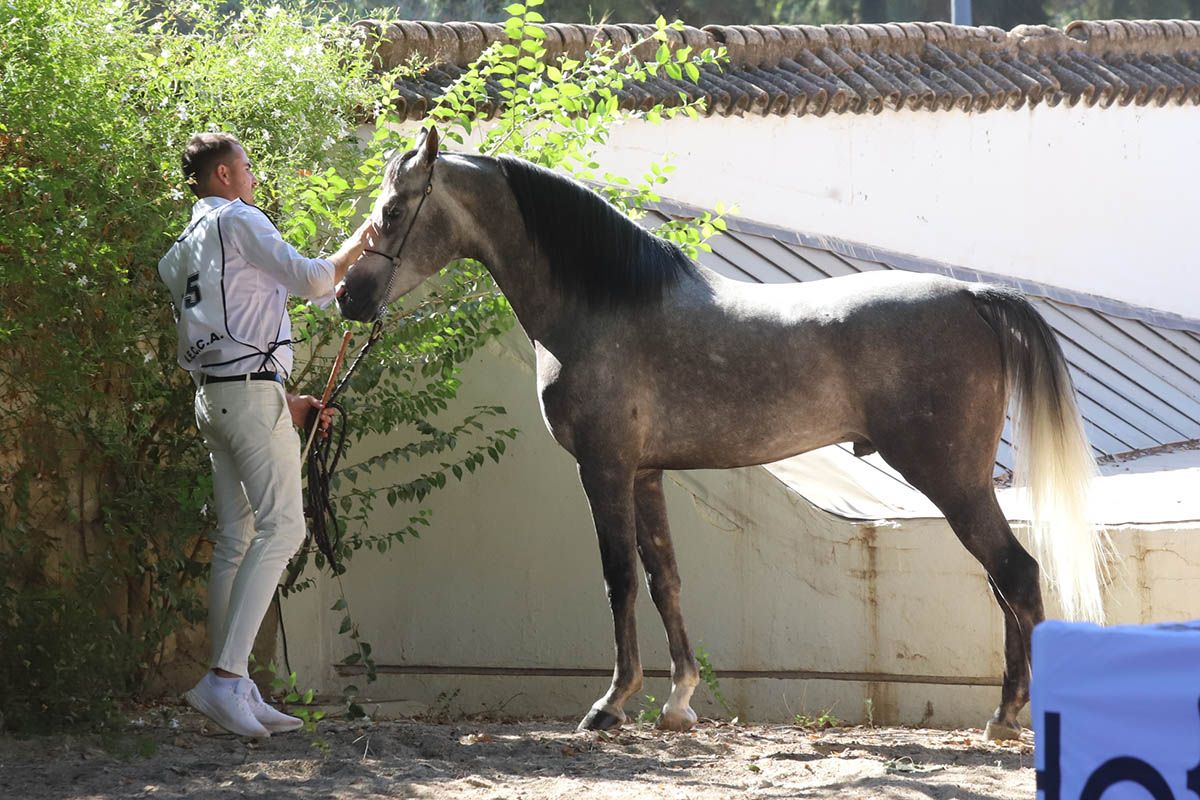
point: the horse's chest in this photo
(554, 398)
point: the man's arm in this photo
(311, 278)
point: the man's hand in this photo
(301, 405)
(351, 249)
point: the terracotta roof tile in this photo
(804, 69)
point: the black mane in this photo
(595, 252)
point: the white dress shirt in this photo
(230, 275)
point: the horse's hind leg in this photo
(662, 578)
(965, 495)
(1013, 576)
(609, 490)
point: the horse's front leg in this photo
(609, 490)
(662, 576)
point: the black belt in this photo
(249, 376)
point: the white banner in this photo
(1116, 711)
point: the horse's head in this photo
(407, 247)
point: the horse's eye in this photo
(393, 210)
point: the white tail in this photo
(1054, 461)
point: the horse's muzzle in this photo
(352, 309)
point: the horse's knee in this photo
(663, 587)
(620, 586)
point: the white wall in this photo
(1096, 200)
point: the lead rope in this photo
(322, 462)
(324, 456)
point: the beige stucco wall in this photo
(509, 576)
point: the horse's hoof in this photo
(1001, 731)
(676, 720)
(600, 720)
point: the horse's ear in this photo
(427, 145)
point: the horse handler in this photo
(230, 274)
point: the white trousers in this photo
(260, 509)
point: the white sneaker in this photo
(226, 702)
(273, 720)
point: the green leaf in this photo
(514, 10)
(346, 625)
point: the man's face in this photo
(242, 180)
(234, 178)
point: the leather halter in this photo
(395, 256)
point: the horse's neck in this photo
(503, 247)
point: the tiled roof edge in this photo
(891, 258)
(460, 43)
(798, 69)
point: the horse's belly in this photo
(718, 438)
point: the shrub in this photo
(103, 480)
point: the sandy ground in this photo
(171, 752)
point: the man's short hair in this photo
(203, 153)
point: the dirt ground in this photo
(171, 752)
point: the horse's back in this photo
(883, 294)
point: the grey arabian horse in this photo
(647, 361)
